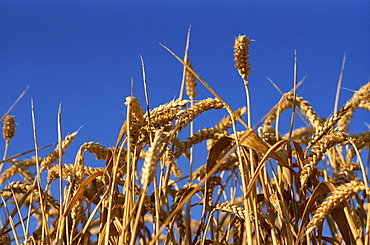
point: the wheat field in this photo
(305, 186)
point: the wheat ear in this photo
(151, 159)
(241, 53)
(53, 156)
(341, 194)
(359, 97)
(326, 142)
(232, 209)
(190, 81)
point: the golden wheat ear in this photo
(241, 53)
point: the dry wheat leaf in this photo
(299, 154)
(268, 154)
(81, 190)
(340, 218)
(213, 155)
(251, 140)
(323, 188)
(216, 150)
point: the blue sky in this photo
(84, 54)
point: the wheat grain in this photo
(226, 122)
(19, 167)
(280, 107)
(69, 172)
(150, 205)
(287, 102)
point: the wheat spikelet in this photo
(8, 128)
(232, 209)
(22, 187)
(241, 53)
(361, 95)
(78, 216)
(238, 232)
(268, 134)
(19, 167)
(23, 170)
(364, 105)
(69, 172)
(135, 108)
(362, 141)
(79, 167)
(212, 183)
(306, 109)
(7, 174)
(341, 194)
(99, 150)
(225, 124)
(319, 149)
(5, 239)
(328, 125)
(151, 159)
(190, 82)
(166, 113)
(182, 193)
(178, 198)
(287, 102)
(201, 135)
(300, 135)
(170, 161)
(344, 171)
(356, 219)
(192, 112)
(180, 226)
(150, 205)
(53, 156)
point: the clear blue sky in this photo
(83, 54)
